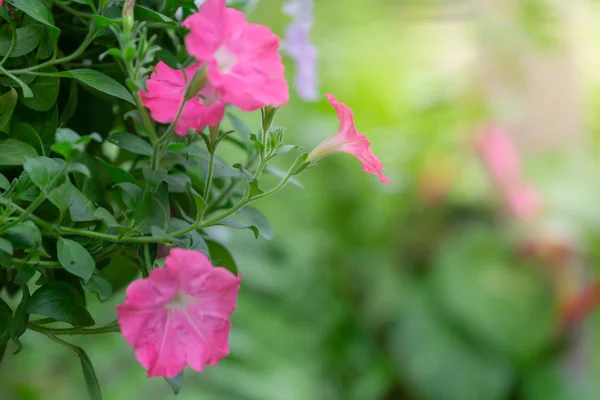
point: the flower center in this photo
(225, 58)
(179, 301)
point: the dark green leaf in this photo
(177, 181)
(154, 177)
(117, 174)
(7, 106)
(14, 152)
(91, 381)
(25, 133)
(6, 246)
(99, 285)
(239, 126)
(4, 183)
(146, 14)
(38, 10)
(75, 258)
(132, 194)
(28, 38)
(101, 82)
(45, 91)
(5, 320)
(43, 170)
(24, 235)
(59, 300)
(19, 322)
(221, 257)
(176, 383)
(24, 274)
(69, 111)
(131, 142)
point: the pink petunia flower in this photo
(242, 58)
(1, 3)
(502, 160)
(180, 314)
(349, 140)
(166, 89)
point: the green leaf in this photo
(28, 38)
(99, 285)
(235, 224)
(8, 102)
(258, 219)
(177, 181)
(69, 111)
(43, 170)
(5, 320)
(24, 235)
(24, 274)
(6, 246)
(117, 174)
(132, 194)
(91, 381)
(103, 215)
(239, 126)
(154, 177)
(81, 208)
(99, 81)
(19, 322)
(14, 152)
(146, 14)
(221, 257)
(175, 383)
(281, 174)
(131, 143)
(25, 133)
(4, 183)
(38, 10)
(45, 91)
(75, 258)
(81, 168)
(62, 196)
(59, 300)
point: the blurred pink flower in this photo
(1, 3)
(242, 58)
(502, 160)
(180, 314)
(166, 88)
(349, 140)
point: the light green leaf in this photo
(38, 10)
(25, 133)
(75, 258)
(24, 235)
(117, 174)
(45, 91)
(43, 170)
(99, 285)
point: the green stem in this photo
(47, 264)
(74, 331)
(209, 175)
(53, 61)
(145, 117)
(13, 44)
(147, 266)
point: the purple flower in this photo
(298, 45)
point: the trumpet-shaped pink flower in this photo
(180, 314)
(502, 160)
(166, 89)
(349, 140)
(242, 58)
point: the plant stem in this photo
(145, 117)
(74, 331)
(209, 175)
(13, 44)
(53, 61)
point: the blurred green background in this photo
(422, 289)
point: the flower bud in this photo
(196, 84)
(128, 17)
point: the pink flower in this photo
(242, 58)
(166, 89)
(502, 160)
(349, 140)
(1, 3)
(179, 315)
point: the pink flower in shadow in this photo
(180, 314)
(349, 140)
(242, 59)
(166, 89)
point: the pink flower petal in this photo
(349, 140)
(180, 314)
(166, 88)
(242, 59)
